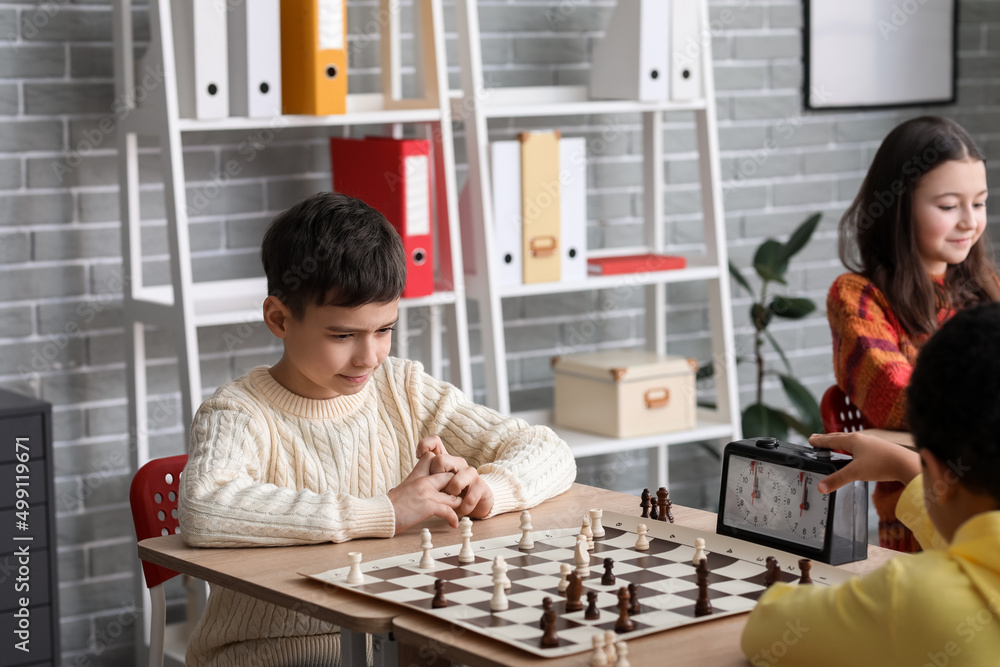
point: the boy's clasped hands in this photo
(440, 485)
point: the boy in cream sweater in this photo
(338, 440)
(938, 607)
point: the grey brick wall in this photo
(60, 277)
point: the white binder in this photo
(201, 55)
(255, 58)
(505, 157)
(573, 207)
(686, 49)
(632, 61)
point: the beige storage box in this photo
(625, 393)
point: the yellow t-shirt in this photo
(937, 608)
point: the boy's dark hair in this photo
(332, 250)
(954, 398)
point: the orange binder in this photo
(394, 177)
(313, 57)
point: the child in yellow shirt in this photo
(939, 607)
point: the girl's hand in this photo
(875, 460)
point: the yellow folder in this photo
(540, 206)
(314, 57)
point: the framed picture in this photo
(880, 53)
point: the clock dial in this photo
(775, 500)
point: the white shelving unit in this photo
(183, 306)
(476, 106)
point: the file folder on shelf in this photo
(573, 198)
(541, 220)
(255, 58)
(201, 55)
(632, 60)
(314, 57)
(648, 263)
(505, 168)
(393, 176)
(686, 48)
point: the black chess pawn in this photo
(546, 605)
(773, 571)
(609, 577)
(439, 600)
(549, 638)
(804, 566)
(592, 613)
(633, 597)
(644, 503)
(703, 606)
(652, 511)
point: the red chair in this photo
(153, 497)
(839, 415)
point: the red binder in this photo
(394, 177)
(610, 266)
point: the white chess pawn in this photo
(596, 525)
(582, 557)
(564, 571)
(526, 541)
(466, 555)
(641, 543)
(598, 658)
(426, 561)
(587, 532)
(609, 646)
(622, 648)
(498, 561)
(699, 550)
(354, 576)
(499, 601)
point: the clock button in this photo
(767, 443)
(824, 454)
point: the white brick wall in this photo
(60, 280)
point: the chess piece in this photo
(426, 561)
(653, 516)
(596, 525)
(622, 649)
(498, 561)
(624, 623)
(609, 646)
(633, 596)
(582, 557)
(549, 638)
(546, 606)
(597, 657)
(466, 555)
(592, 613)
(439, 600)
(699, 550)
(573, 593)
(587, 531)
(499, 600)
(354, 575)
(609, 577)
(564, 571)
(661, 502)
(773, 571)
(804, 566)
(703, 606)
(670, 507)
(644, 503)
(526, 542)
(641, 542)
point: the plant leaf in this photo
(800, 237)
(781, 353)
(804, 402)
(768, 261)
(796, 425)
(791, 308)
(705, 372)
(760, 420)
(738, 277)
(760, 317)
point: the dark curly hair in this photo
(954, 398)
(333, 250)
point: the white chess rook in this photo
(354, 576)
(596, 525)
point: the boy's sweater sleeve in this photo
(523, 464)
(224, 501)
(867, 360)
(818, 625)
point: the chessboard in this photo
(664, 576)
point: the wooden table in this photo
(274, 575)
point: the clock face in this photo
(776, 501)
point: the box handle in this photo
(656, 398)
(542, 246)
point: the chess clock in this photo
(769, 497)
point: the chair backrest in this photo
(153, 496)
(839, 414)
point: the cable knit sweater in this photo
(268, 467)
